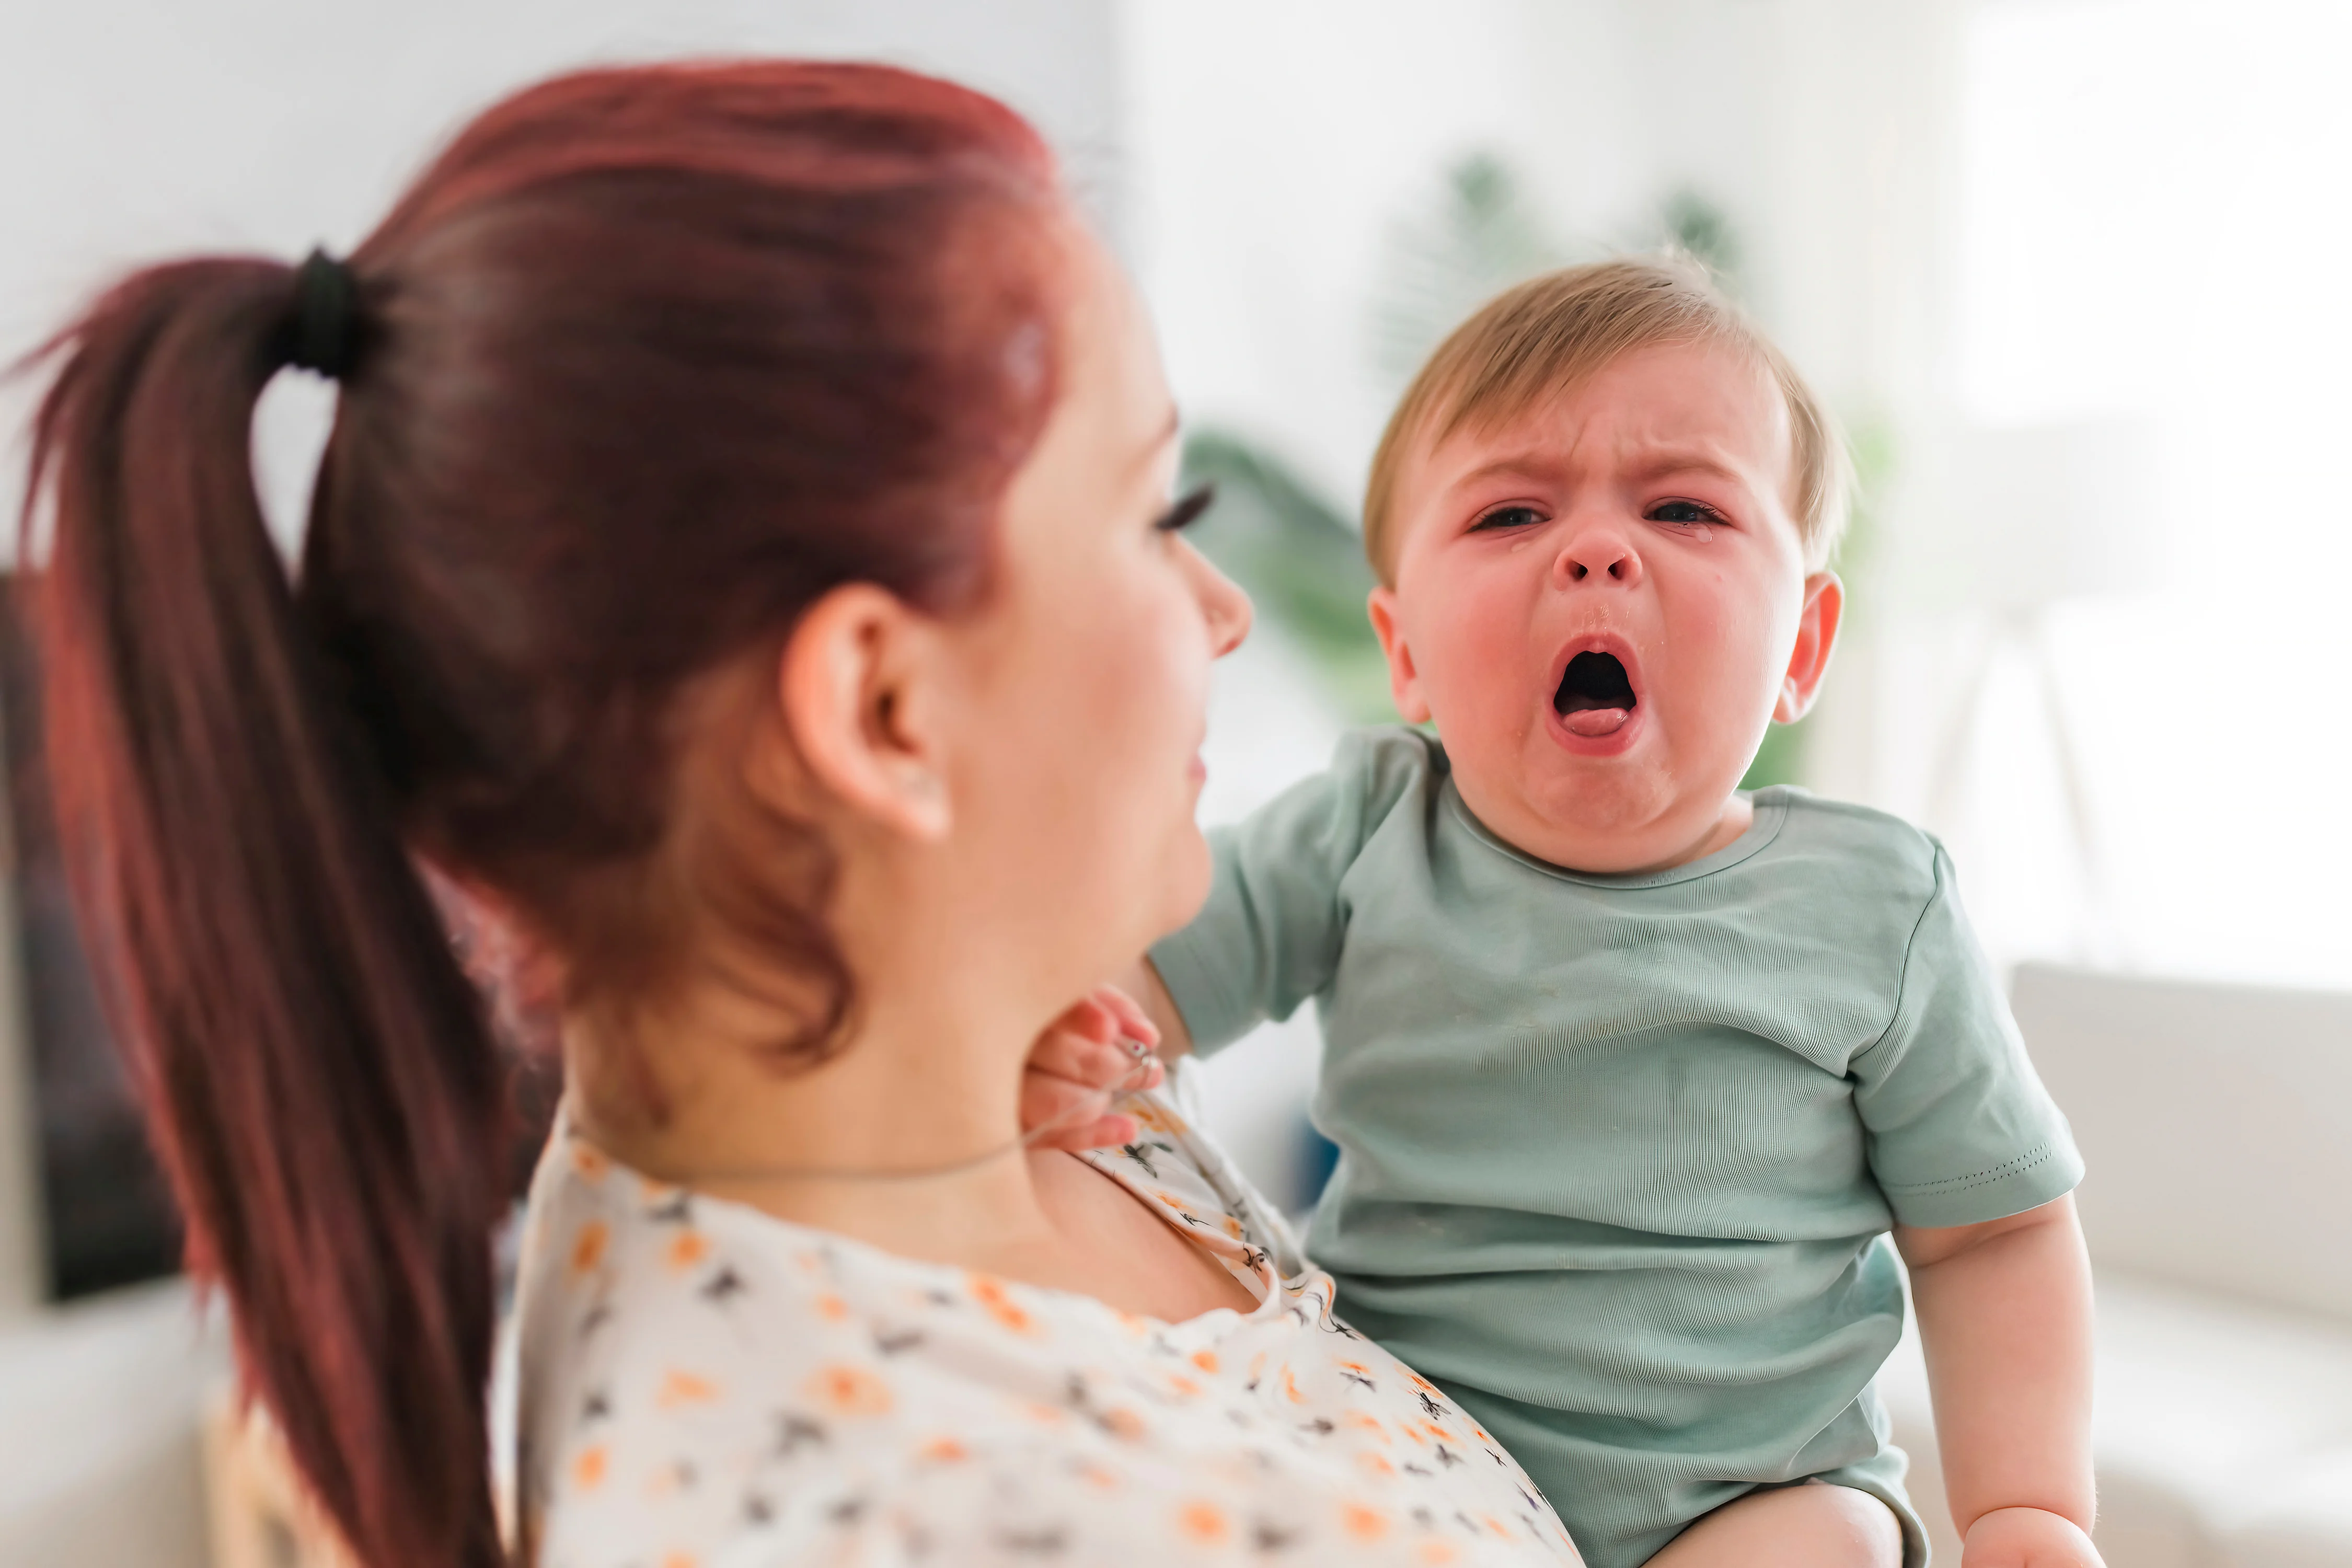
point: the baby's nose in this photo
(1604, 554)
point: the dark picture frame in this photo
(105, 1217)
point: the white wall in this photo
(132, 130)
(2151, 231)
(1272, 144)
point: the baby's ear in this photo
(1817, 630)
(1404, 681)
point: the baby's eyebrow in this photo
(1652, 463)
(1519, 465)
(1646, 463)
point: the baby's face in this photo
(1604, 602)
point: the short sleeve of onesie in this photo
(1270, 935)
(1959, 1128)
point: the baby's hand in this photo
(2028, 1538)
(1083, 1060)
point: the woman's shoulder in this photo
(1173, 1162)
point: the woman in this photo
(741, 566)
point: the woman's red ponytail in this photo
(323, 1093)
(646, 361)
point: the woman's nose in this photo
(1226, 609)
(1602, 555)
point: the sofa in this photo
(2216, 1121)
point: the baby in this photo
(1631, 1073)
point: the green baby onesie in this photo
(1617, 1154)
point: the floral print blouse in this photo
(704, 1385)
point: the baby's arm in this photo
(1143, 983)
(2005, 1315)
(1268, 937)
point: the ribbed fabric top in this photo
(1618, 1153)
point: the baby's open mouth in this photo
(1594, 696)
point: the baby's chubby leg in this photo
(1811, 1526)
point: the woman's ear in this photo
(1817, 630)
(1404, 681)
(859, 686)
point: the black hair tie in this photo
(325, 338)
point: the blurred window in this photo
(2152, 227)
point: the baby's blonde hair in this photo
(1551, 334)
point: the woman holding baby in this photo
(743, 569)
(741, 586)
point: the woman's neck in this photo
(907, 1137)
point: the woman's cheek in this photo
(1153, 658)
(1164, 714)
(1187, 880)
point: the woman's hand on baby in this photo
(2028, 1538)
(1080, 1064)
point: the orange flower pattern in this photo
(702, 1382)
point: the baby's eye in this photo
(1684, 514)
(1512, 516)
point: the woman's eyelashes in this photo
(1186, 510)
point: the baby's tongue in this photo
(1596, 720)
